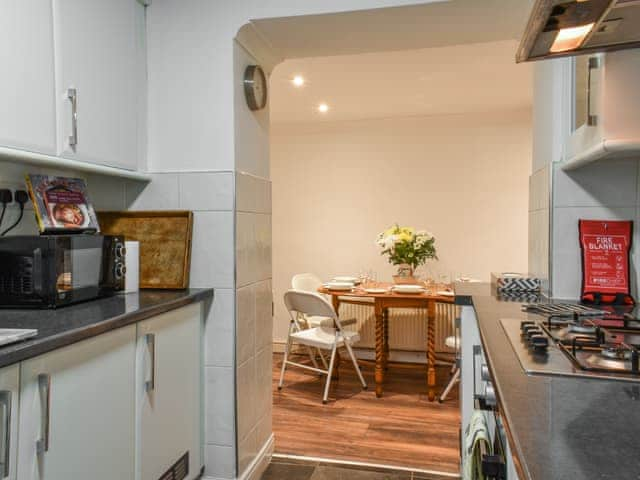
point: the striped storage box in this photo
(515, 282)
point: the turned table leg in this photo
(379, 370)
(385, 315)
(431, 350)
(335, 300)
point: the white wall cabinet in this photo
(606, 108)
(99, 57)
(77, 410)
(27, 103)
(168, 392)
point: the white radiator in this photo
(407, 326)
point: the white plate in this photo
(340, 286)
(353, 280)
(408, 288)
(375, 290)
(445, 293)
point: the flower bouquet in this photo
(408, 249)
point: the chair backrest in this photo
(306, 282)
(309, 303)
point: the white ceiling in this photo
(443, 23)
(451, 79)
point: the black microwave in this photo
(50, 271)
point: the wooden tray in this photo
(165, 244)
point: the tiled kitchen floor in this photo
(287, 469)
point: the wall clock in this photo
(255, 87)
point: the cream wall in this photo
(336, 185)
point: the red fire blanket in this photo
(606, 246)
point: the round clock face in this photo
(255, 87)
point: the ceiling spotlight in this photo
(323, 108)
(298, 81)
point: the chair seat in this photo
(452, 342)
(315, 321)
(322, 337)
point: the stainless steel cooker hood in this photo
(559, 28)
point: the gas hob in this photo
(577, 342)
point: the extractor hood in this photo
(559, 28)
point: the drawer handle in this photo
(72, 94)
(44, 387)
(5, 457)
(150, 385)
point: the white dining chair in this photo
(324, 338)
(453, 342)
(308, 282)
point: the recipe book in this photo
(61, 205)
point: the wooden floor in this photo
(401, 429)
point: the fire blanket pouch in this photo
(606, 246)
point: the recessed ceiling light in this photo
(323, 108)
(570, 38)
(298, 81)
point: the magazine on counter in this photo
(61, 204)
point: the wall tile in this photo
(567, 269)
(107, 193)
(264, 428)
(539, 186)
(263, 238)
(246, 385)
(264, 382)
(246, 248)
(206, 191)
(264, 317)
(611, 183)
(219, 331)
(161, 193)
(212, 250)
(220, 406)
(247, 451)
(253, 193)
(219, 461)
(246, 323)
(539, 243)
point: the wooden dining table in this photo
(381, 303)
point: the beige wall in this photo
(336, 185)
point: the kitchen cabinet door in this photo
(168, 392)
(99, 52)
(9, 394)
(27, 103)
(77, 411)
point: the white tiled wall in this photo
(210, 195)
(254, 318)
(539, 222)
(601, 191)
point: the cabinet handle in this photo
(72, 94)
(5, 458)
(594, 63)
(150, 385)
(44, 386)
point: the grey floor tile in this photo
(283, 471)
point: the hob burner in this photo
(616, 352)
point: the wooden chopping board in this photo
(165, 244)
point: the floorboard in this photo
(402, 429)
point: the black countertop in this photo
(561, 427)
(67, 325)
